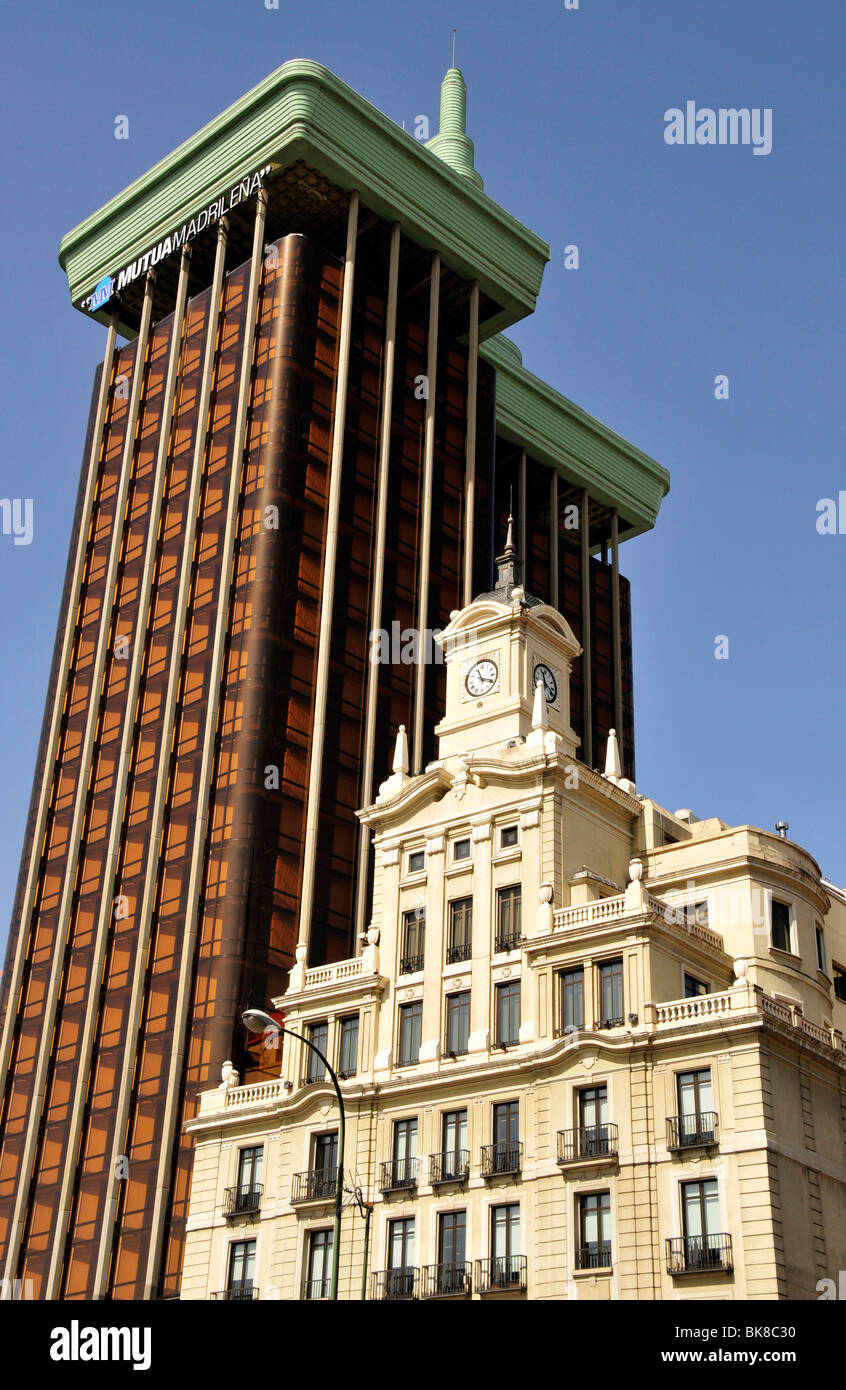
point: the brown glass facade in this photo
(186, 779)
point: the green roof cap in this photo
(452, 144)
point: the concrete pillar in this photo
(587, 671)
(426, 515)
(470, 460)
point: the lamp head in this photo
(257, 1021)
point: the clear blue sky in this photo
(694, 261)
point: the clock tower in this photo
(509, 660)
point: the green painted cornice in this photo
(586, 453)
(303, 112)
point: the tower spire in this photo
(452, 143)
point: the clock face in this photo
(550, 688)
(481, 677)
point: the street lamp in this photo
(257, 1021)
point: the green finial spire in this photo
(452, 144)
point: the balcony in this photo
(411, 965)
(452, 1166)
(507, 941)
(237, 1293)
(445, 1281)
(707, 1254)
(592, 1142)
(398, 1285)
(692, 1131)
(313, 1077)
(458, 953)
(399, 1175)
(500, 1272)
(318, 1185)
(597, 1255)
(242, 1201)
(501, 1159)
(315, 1289)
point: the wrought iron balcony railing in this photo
(411, 965)
(591, 1141)
(314, 1289)
(242, 1201)
(451, 1166)
(398, 1175)
(597, 1255)
(692, 1131)
(460, 951)
(445, 1281)
(311, 1078)
(317, 1185)
(500, 1272)
(507, 941)
(396, 1283)
(699, 1254)
(504, 1157)
(246, 1292)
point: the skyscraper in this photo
(313, 433)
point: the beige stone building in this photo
(589, 1049)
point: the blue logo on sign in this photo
(101, 293)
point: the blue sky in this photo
(694, 262)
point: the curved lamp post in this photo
(258, 1021)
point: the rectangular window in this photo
(417, 861)
(401, 1272)
(410, 1028)
(508, 837)
(452, 1237)
(700, 1222)
(594, 1133)
(572, 1000)
(242, 1269)
(459, 941)
(318, 1034)
(820, 948)
(696, 914)
(413, 940)
(405, 1152)
(611, 993)
(324, 1170)
(506, 1137)
(696, 1121)
(348, 1060)
(458, 1023)
(594, 1249)
(839, 977)
(454, 1155)
(460, 850)
(248, 1191)
(508, 1014)
(319, 1264)
(508, 918)
(693, 987)
(780, 920)
(506, 1261)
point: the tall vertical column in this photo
(321, 685)
(615, 626)
(60, 939)
(587, 669)
(426, 515)
(159, 802)
(470, 459)
(53, 734)
(110, 888)
(195, 880)
(378, 574)
(553, 539)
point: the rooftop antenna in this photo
(454, 32)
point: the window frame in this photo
(459, 999)
(457, 952)
(343, 1029)
(512, 895)
(615, 964)
(407, 1011)
(790, 948)
(502, 989)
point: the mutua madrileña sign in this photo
(110, 285)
